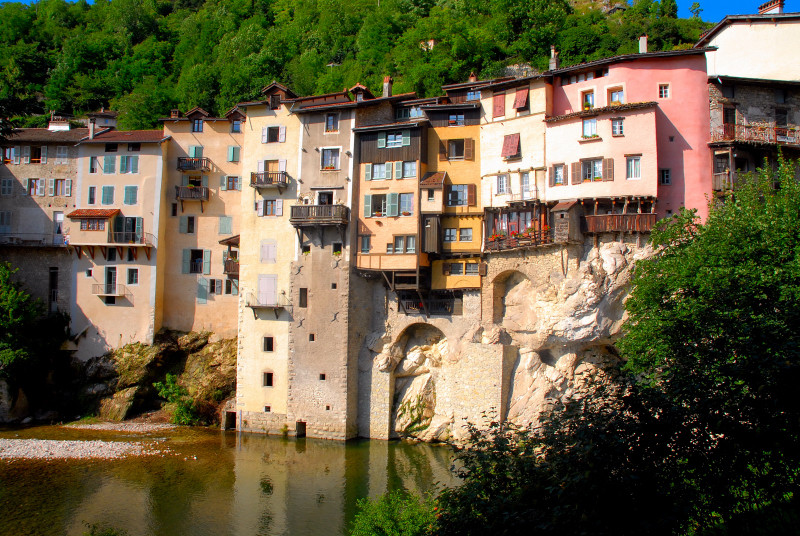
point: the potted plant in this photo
(406, 213)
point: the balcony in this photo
(130, 237)
(446, 307)
(105, 289)
(520, 240)
(303, 215)
(610, 223)
(192, 193)
(193, 164)
(269, 179)
(37, 240)
(758, 134)
(723, 181)
(231, 268)
(262, 302)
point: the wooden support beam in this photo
(422, 301)
(135, 253)
(120, 250)
(147, 252)
(90, 249)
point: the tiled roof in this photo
(386, 126)
(564, 205)
(127, 136)
(42, 135)
(604, 110)
(629, 57)
(433, 179)
(730, 19)
(93, 213)
(230, 241)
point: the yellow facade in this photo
(446, 276)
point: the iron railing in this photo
(130, 237)
(452, 306)
(33, 239)
(107, 289)
(520, 240)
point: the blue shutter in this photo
(398, 170)
(187, 259)
(123, 164)
(202, 290)
(367, 206)
(232, 153)
(133, 162)
(108, 195)
(206, 261)
(381, 140)
(392, 208)
(183, 224)
(225, 224)
(234, 287)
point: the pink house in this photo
(628, 138)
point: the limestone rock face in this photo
(119, 406)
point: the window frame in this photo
(559, 181)
(665, 177)
(591, 131)
(132, 280)
(409, 164)
(331, 123)
(453, 148)
(335, 153)
(197, 125)
(463, 232)
(450, 234)
(590, 168)
(459, 192)
(633, 167)
(664, 91)
(617, 126)
(406, 198)
(394, 139)
(503, 184)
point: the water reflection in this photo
(216, 484)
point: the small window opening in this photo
(333, 286)
(269, 344)
(268, 379)
(267, 409)
(303, 297)
(337, 248)
(306, 249)
(322, 377)
(311, 337)
(327, 408)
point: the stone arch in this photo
(509, 289)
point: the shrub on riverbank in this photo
(395, 514)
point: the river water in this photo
(212, 483)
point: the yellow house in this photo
(203, 195)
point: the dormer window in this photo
(236, 126)
(274, 101)
(474, 95)
(359, 97)
(197, 125)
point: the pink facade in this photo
(677, 83)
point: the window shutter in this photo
(387, 171)
(68, 188)
(282, 166)
(234, 287)
(367, 172)
(279, 207)
(552, 181)
(123, 164)
(367, 206)
(230, 153)
(139, 229)
(108, 164)
(445, 268)
(225, 224)
(183, 224)
(263, 134)
(260, 207)
(406, 138)
(119, 224)
(469, 149)
(134, 163)
(499, 105)
(223, 183)
(472, 195)
(381, 140)
(184, 180)
(206, 261)
(281, 134)
(187, 259)
(392, 204)
(218, 286)
(204, 181)
(608, 169)
(51, 187)
(40, 187)
(44, 155)
(483, 269)
(26, 154)
(202, 290)
(442, 150)
(262, 166)
(195, 151)
(16, 154)
(576, 173)
(521, 98)
(566, 174)
(398, 170)
(238, 182)
(27, 183)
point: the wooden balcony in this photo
(723, 181)
(521, 240)
(104, 289)
(193, 164)
(192, 193)
(758, 134)
(269, 179)
(231, 268)
(610, 223)
(308, 215)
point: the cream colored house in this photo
(203, 194)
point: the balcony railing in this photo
(521, 240)
(319, 215)
(607, 223)
(33, 239)
(453, 306)
(130, 237)
(789, 135)
(189, 193)
(255, 301)
(193, 164)
(723, 181)
(268, 179)
(231, 267)
(105, 289)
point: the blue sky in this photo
(715, 10)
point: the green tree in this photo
(395, 514)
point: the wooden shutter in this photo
(204, 181)
(202, 290)
(406, 138)
(223, 183)
(281, 134)
(398, 170)
(279, 207)
(123, 164)
(566, 173)
(231, 153)
(68, 188)
(218, 286)
(108, 164)
(367, 172)
(367, 206)
(206, 261)
(521, 98)
(381, 140)
(442, 150)
(576, 173)
(387, 170)
(608, 169)
(469, 149)
(282, 165)
(392, 204)
(44, 155)
(16, 154)
(264, 135)
(499, 105)
(483, 269)
(187, 259)
(260, 207)
(552, 181)
(472, 192)
(51, 187)
(139, 226)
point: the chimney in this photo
(473, 77)
(643, 44)
(91, 128)
(387, 86)
(553, 58)
(771, 8)
(174, 113)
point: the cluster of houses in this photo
(262, 224)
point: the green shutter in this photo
(234, 287)
(225, 224)
(202, 290)
(206, 261)
(119, 224)
(367, 206)
(187, 259)
(134, 163)
(233, 153)
(223, 183)
(381, 140)
(183, 225)
(387, 172)
(123, 164)
(195, 151)
(204, 181)
(398, 170)
(367, 172)
(139, 229)
(392, 208)
(406, 138)
(108, 164)
(184, 180)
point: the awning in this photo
(93, 213)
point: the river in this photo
(212, 483)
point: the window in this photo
(129, 164)
(93, 224)
(215, 286)
(109, 163)
(634, 167)
(330, 158)
(112, 254)
(664, 176)
(729, 115)
(270, 207)
(781, 95)
(232, 287)
(90, 200)
(525, 183)
(273, 135)
(336, 249)
(108, 195)
(450, 235)
(197, 125)
(269, 344)
(589, 128)
(616, 96)
(322, 377)
(781, 117)
(311, 337)
(617, 127)
(409, 170)
(131, 195)
(268, 378)
(472, 268)
(365, 244)
(133, 276)
(498, 105)
(474, 95)
(5, 221)
(558, 175)
(269, 252)
(134, 147)
(378, 205)
(231, 182)
(403, 244)
(409, 112)
(502, 184)
(456, 268)
(406, 204)
(131, 258)
(511, 147)
(35, 186)
(431, 194)
(174, 209)
(267, 409)
(6, 186)
(456, 120)
(394, 139)
(38, 155)
(196, 259)
(93, 164)
(303, 299)
(465, 235)
(592, 170)
(111, 147)
(455, 149)
(60, 187)
(274, 101)
(61, 154)
(379, 172)
(663, 91)
(225, 225)
(458, 195)
(332, 123)
(727, 91)
(88, 273)
(587, 100)
(236, 126)
(8, 155)
(186, 225)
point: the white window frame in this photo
(128, 276)
(336, 117)
(338, 152)
(503, 185)
(558, 172)
(450, 234)
(463, 232)
(633, 167)
(664, 91)
(411, 164)
(62, 154)
(592, 170)
(589, 127)
(394, 139)
(6, 186)
(617, 126)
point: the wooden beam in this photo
(135, 253)
(91, 251)
(147, 252)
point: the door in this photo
(267, 289)
(58, 228)
(272, 166)
(111, 280)
(325, 198)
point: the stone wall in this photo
(34, 265)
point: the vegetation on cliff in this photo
(699, 433)
(145, 57)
